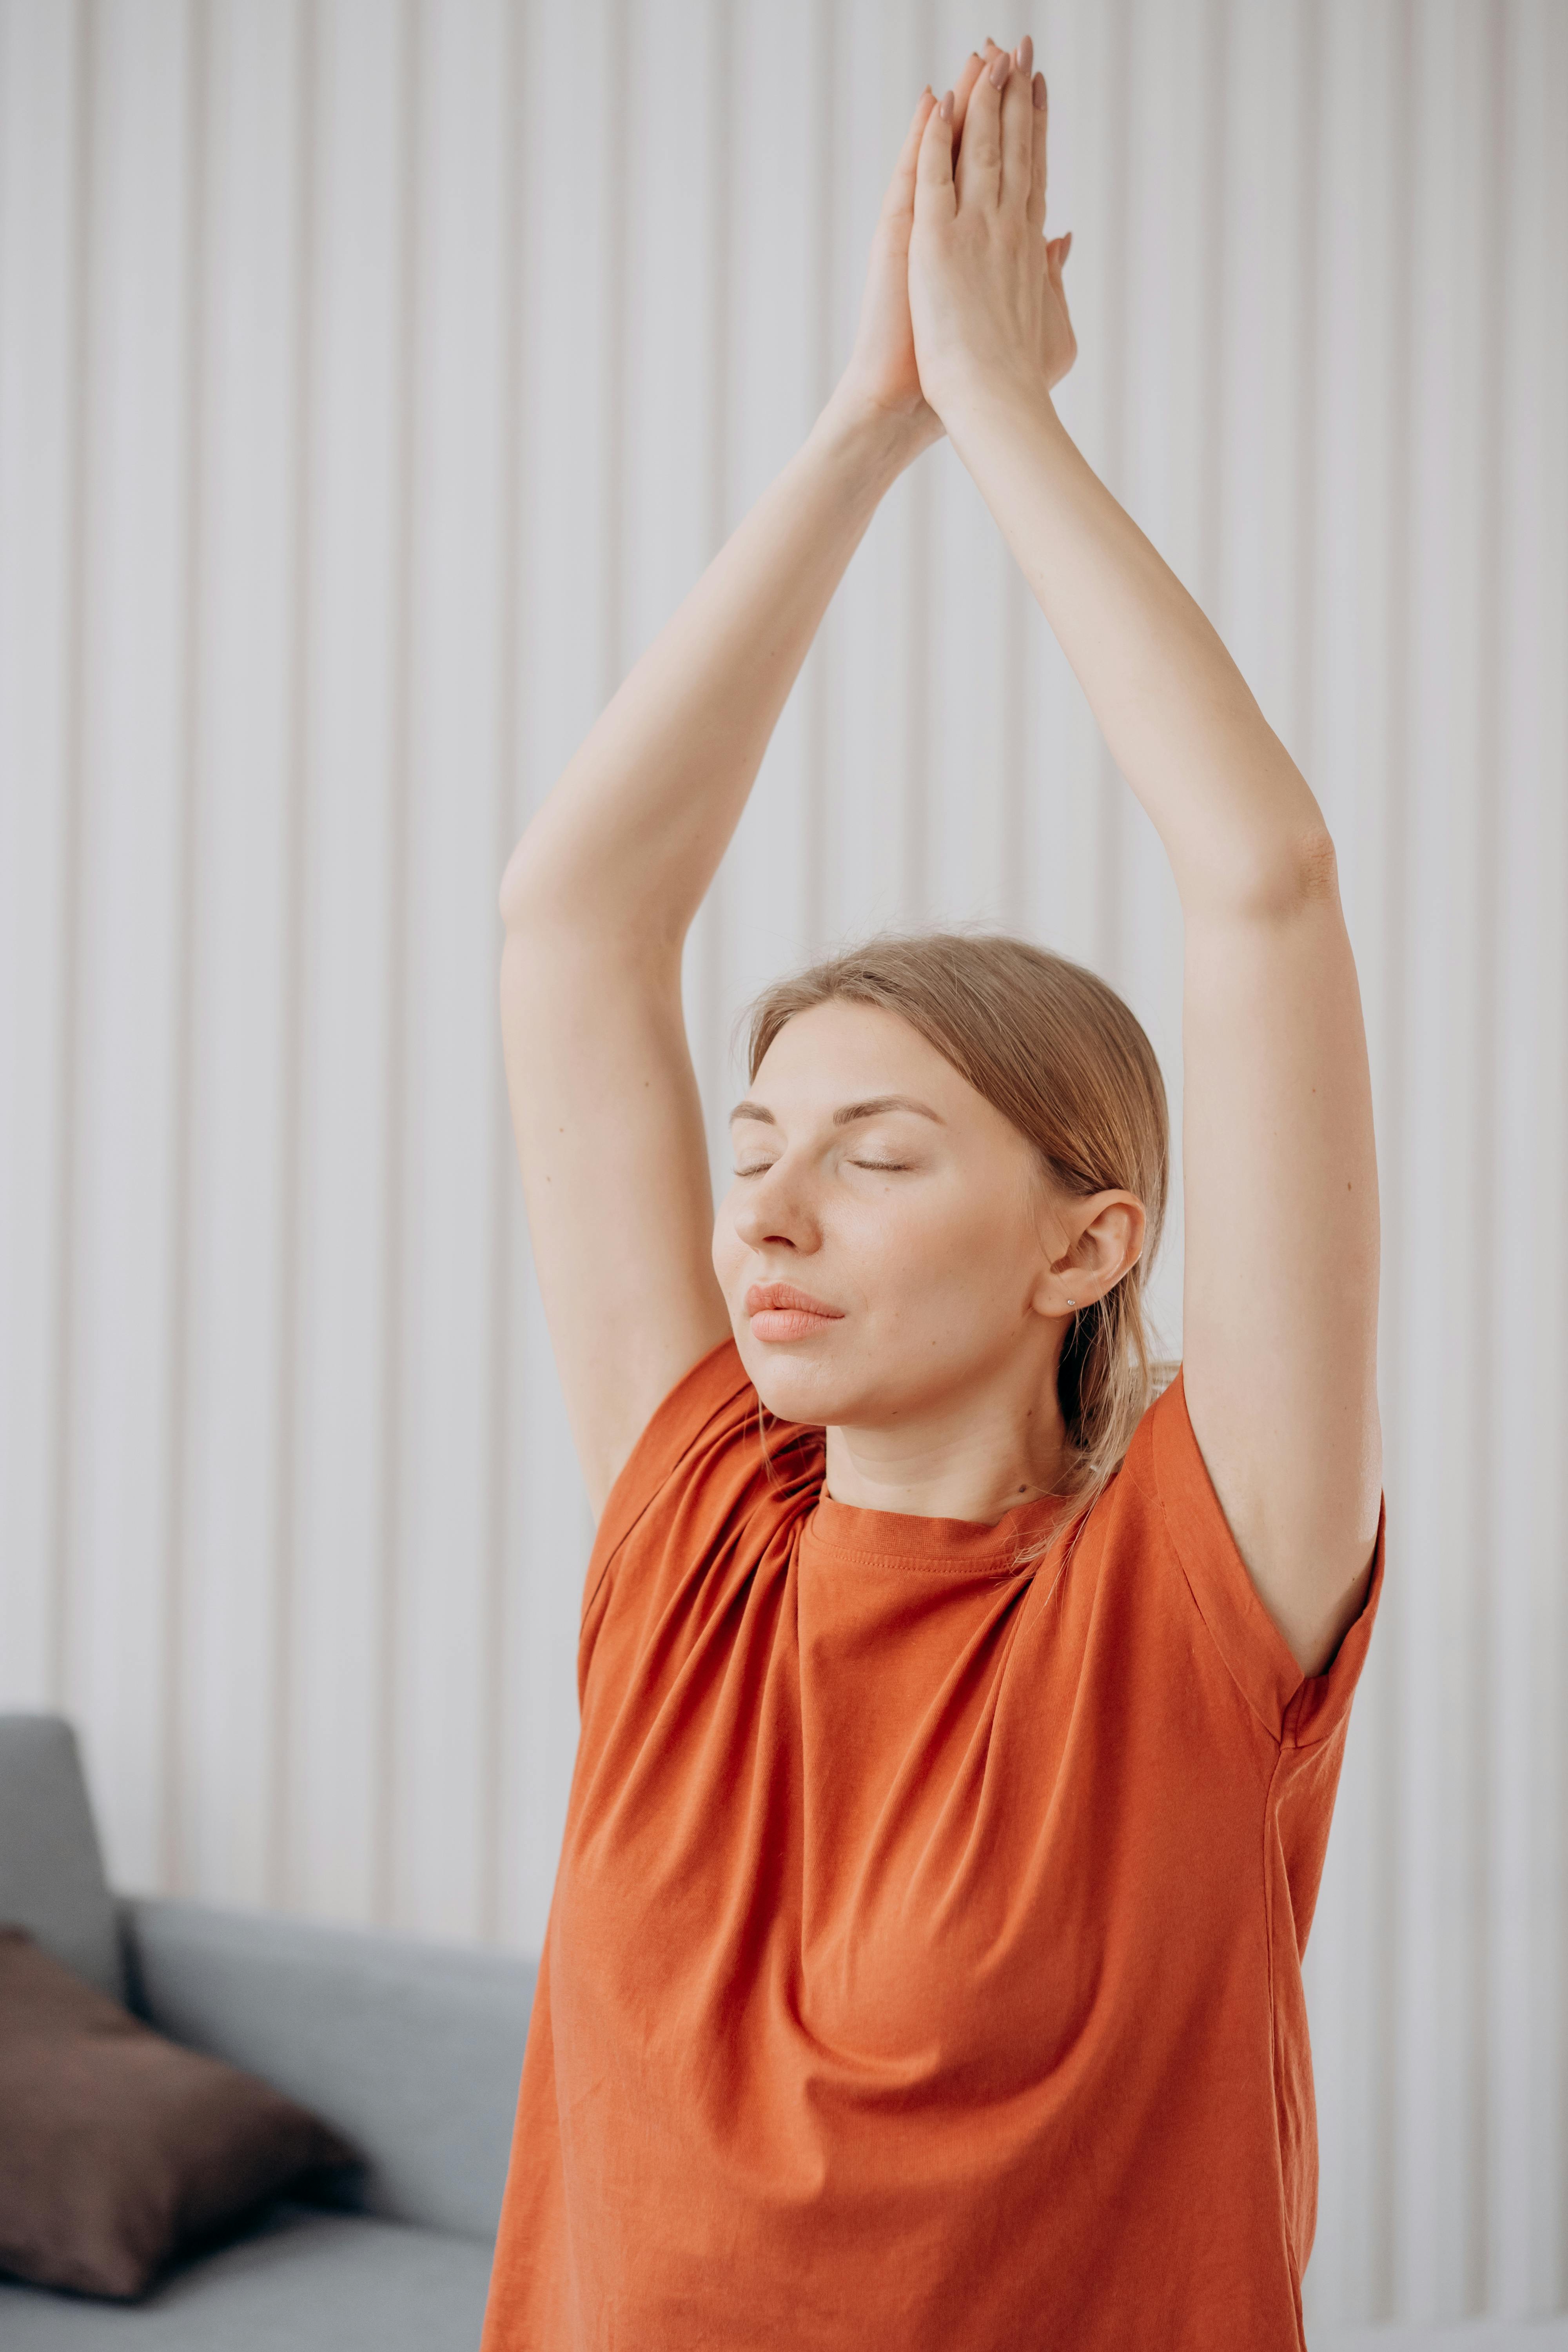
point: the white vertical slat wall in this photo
(375, 376)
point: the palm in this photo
(884, 358)
(883, 372)
(882, 366)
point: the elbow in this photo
(1313, 868)
(508, 896)
(522, 897)
(543, 875)
(1288, 878)
(544, 908)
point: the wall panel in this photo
(227, 1746)
(123, 1188)
(350, 1176)
(446, 1539)
(373, 381)
(41, 289)
(565, 307)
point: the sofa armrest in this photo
(412, 2049)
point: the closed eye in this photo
(888, 1166)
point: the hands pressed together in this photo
(963, 297)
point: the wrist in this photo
(873, 443)
(981, 403)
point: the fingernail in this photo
(945, 108)
(1026, 54)
(1001, 67)
(1039, 88)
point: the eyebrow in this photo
(847, 1113)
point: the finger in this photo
(900, 196)
(1017, 132)
(1056, 254)
(979, 176)
(1037, 207)
(973, 66)
(934, 197)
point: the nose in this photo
(773, 1207)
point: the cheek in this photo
(731, 1254)
(725, 1244)
(921, 1251)
(952, 1266)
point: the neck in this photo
(966, 1461)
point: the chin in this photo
(815, 1394)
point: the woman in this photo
(957, 1751)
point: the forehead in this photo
(841, 1056)
(819, 1052)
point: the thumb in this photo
(935, 199)
(900, 199)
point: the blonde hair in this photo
(1059, 1055)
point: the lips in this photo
(782, 1311)
(783, 1297)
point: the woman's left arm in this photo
(1280, 1286)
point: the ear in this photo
(1104, 1235)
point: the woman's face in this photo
(874, 1179)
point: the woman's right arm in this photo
(598, 898)
(602, 888)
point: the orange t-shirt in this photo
(923, 1966)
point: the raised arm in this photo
(1280, 1181)
(601, 890)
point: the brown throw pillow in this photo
(118, 2147)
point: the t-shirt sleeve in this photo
(1296, 1709)
(699, 1503)
(707, 1403)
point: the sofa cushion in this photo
(303, 2280)
(411, 2049)
(52, 1870)
(119, 2147)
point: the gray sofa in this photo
(410, 2049)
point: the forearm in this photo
(1229, 803)
(634, 830)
